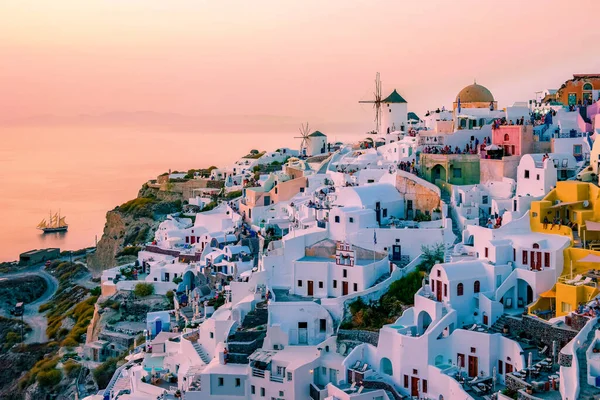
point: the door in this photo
(267, 200)
(302, 332)
(473, 367)
(333, 376)
(414, 386)
(438, 290)
(396, 252)
(378, 212)
(193, 239)
(158, 326)
(310, 288)
(485, 319)
(344, 288)
(509, 368)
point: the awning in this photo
(590, 258)
(567, 203)
(592, 226)
(263, 356)
(549, 294)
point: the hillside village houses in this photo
(265, 281)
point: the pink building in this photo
(516, 140)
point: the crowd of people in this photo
(494, 222)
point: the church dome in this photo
(475, 94)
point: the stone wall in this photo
(494, 170)
(359, 336)
(423, 197)
(541, 331)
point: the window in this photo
(524, 257)
(439, 273)
(289, 376)
(327, 349)
(546, 260)
(356, 287)
(279, 370)
(299, 283)
(484, 199)
(406, 381)
(281, 393)
(445, 290)
(221, 382)
(238, 382)
(424, 385)
(537, 177)
(252, 389)
(565, 307)
(500, 367)
(415, 372)
(459, 289)
(476, 286)
(320, 284)
(536, 245)
(487, 252)
(506, 137)
(301, 190)
(577, 150)
(526, 174)
(212, 335)
(302, 325)
(336, 219)
(473, 349)
(262, 392)
(409, 204)
(345, 273)
(587, 86)
(322, 325)
(514, 254)
(351, 220)
(457, 173)
(335, 284)
(384, 212)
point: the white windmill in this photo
(304, 135)
(377, 100)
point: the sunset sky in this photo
(310, 58)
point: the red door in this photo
(485, 319)
(344, 288)
(310, 288)
(438, 290)
(414, 386)
(473, 367)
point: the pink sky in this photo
(310, 58)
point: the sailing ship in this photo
(56, 223)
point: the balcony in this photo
(258, 373)
(276, 378)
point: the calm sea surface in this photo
(85, 172)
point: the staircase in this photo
(498, 326)
(205, 358)
(586, 391)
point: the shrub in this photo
(69, 342)
(177, 280)
(49, 378)
(104, 372)
(96, 291)
(71, 368)
(143, 289)
(234, 194)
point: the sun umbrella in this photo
(530, 360)
(493, 147)
(494, 378)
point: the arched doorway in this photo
(438, 172)
(385, 365)
(189, 280)
(423, 322)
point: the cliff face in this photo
(132, 224)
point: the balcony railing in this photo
(258, 373)
(276, 378)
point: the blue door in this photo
(158, 326)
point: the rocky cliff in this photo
(131, 224)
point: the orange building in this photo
(580, 89)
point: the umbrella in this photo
(493, 147)
(530, 360)
(554, 349)
(494, 378)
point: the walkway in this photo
(586, 391)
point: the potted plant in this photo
(505, 329)
(177, 393)
(529, 390)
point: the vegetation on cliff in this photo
(26, 289)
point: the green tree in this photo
(143, 289)
(432, 255)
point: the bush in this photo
(69, 342)
(104, 372)
(131, 250)
(143, 289)
(96, 291)
(71, 368)
(233, 195)
(49, 378)
(177, 280)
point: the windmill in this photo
(304, 135)
(376, 102)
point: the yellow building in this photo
(576, 205)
